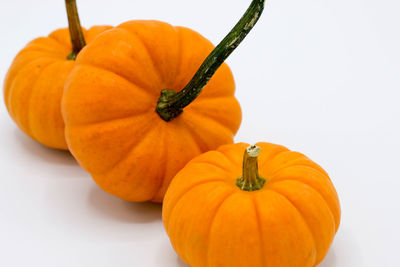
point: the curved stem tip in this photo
(171, 104)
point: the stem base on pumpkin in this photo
(164, 108)
(75, 29)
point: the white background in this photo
(321, 77)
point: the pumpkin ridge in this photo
(151, 56)
(327, 202)
(227, 195)
(199, 110)
(165, 166)
(180, 42)
(162, 176)
(180, 62)
(225, 127)
(267, 162)
(186, 191)
(29, 107)
(111, 121)
(36, 48)
(58, 42)
(201, 145)
(230, 160)
(302, 218)
(11, 82)
(7, 90)
(315, 192)
(302, 163)
(83, 60)
(232, 193)
(90, 170)
(257, 213)
(29, 95)
(111, 185)
(301, 166)
(130, 150)
(142, 88)
(41, 44)
(213, 164)
(285, 178)
(13, 71)
(277, 149)
(97, 123)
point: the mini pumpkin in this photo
(123, 107)
(223, 209)
(34, 84)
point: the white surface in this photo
(321, 77)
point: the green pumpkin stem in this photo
(251, 179)
(75, 29)
(171, 104)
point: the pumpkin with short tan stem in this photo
(34, 84)
(123, 104)
(225, 210)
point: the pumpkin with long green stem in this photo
(271, 207)
(132, 106)
(34, 84)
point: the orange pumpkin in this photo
(109, 105)
(34, 84)
(285, 214)
(128, 137)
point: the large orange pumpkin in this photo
(120, 130)
(34, 84)
(109, 105)
(221, 210)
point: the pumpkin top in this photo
(275, 164)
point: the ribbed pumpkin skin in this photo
(109, 104)
(290, 222)
(34, 85)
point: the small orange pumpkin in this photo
(128, 137)
(34, 84)
(218, 213)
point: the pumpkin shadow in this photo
(180, 263)
(117, 209)
(166, 256)
(37, 150)
(330, 260)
